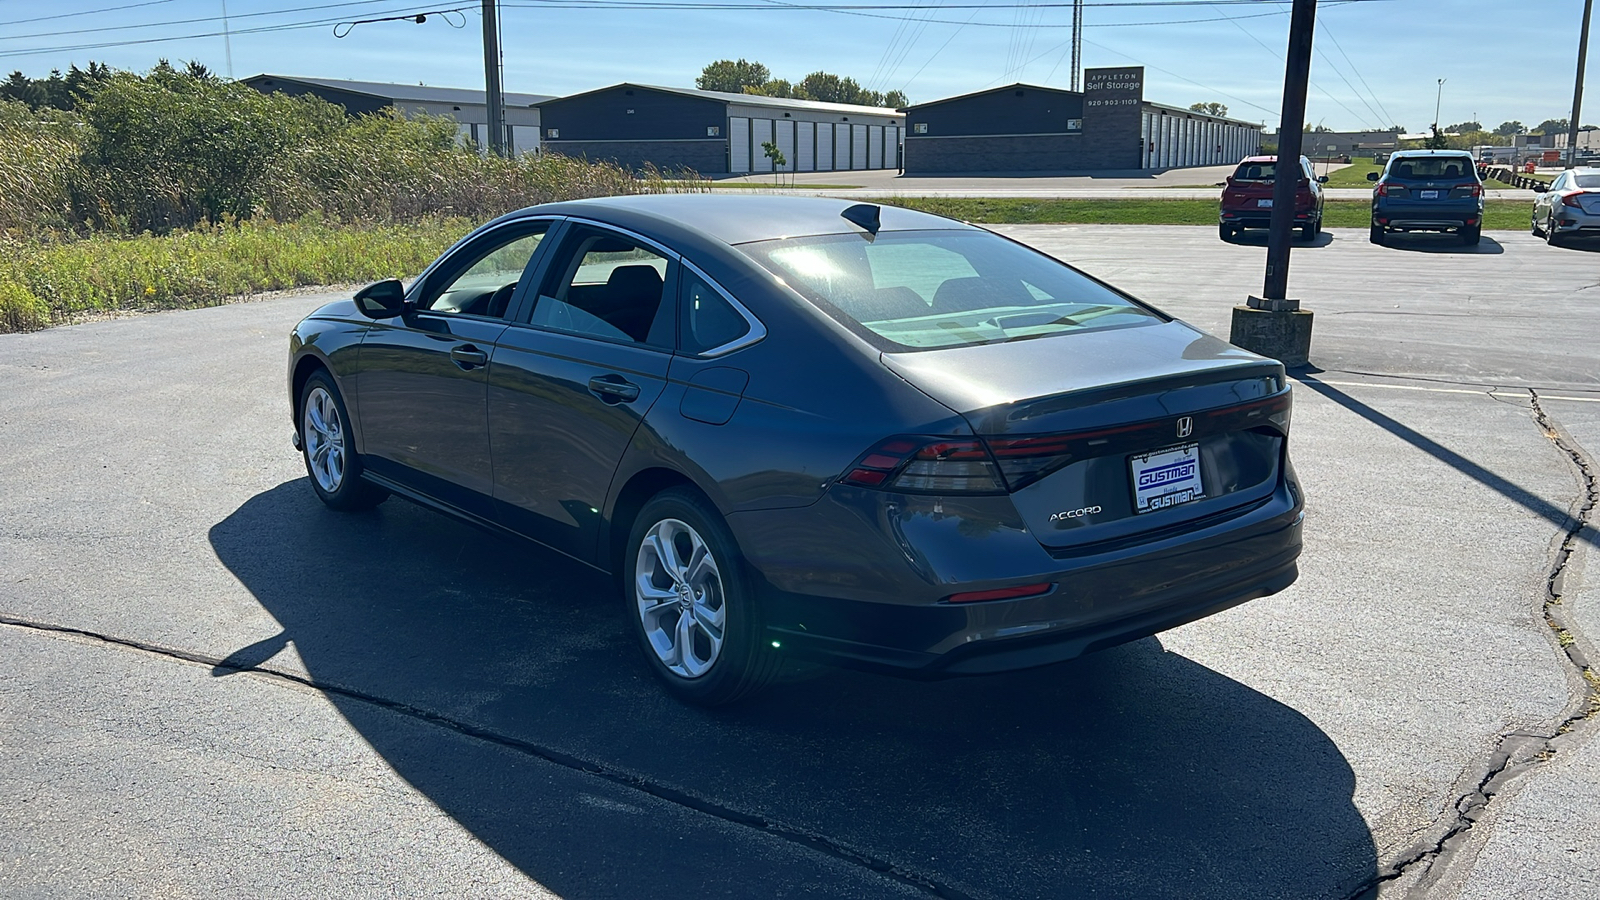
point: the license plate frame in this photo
(1165, 478)
(1263, 204)
(1429, 195)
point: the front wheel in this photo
(325, 442)
(691, 605)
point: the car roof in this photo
(1430, 153)
(737, 219)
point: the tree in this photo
(896, 99)
(1464, 127)
(1211, 109)
(1551, 126)
(1437, 140)
(775, 87)
(1396, 129)
(1510, 128)
(1319, 129)
(732, 76)
(772, 152)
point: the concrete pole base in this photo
(1283, 334)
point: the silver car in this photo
(1569, 207)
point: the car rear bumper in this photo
(1427, 217)
(1259, 219)
(1098, 599)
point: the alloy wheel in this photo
(324, 437)
(679, 596)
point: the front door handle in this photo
(468, 357)
(614, 388)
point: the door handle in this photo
(614, 388)
(468, 357)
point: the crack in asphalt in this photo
(791, 833)
(1517, 752)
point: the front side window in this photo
(607, 286)
(915, 290)
(485, 287)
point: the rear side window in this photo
(913, 290)
(1432, 168)
(709, 321)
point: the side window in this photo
(708, 321)
(485, 287)
(607, 286)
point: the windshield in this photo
(1258, 171)
(914, 290)
(1432, 168)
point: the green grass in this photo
(1503, 215)
(45, 282)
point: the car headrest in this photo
(977, 292)
(634, 281)
(1452, 171)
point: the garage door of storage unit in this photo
(824, 146)
(738, 144)
(858, 147)
(760, 133)
(785, 142)
(805, 151)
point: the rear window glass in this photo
(1587, 182)
(1432, 168)
(915, 290)
(1254, 171)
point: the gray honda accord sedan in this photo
(805, 428)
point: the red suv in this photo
(1247, 198)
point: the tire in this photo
(1308, 231)
(325, 445)
(684, 581)
(1376, 235)
(1533, 225)
(1550, 236)
(1470, 235)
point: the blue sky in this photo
(1377, 61)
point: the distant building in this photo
(1032, 128)
(467, 106)
(1587, 140)
(715, 132)
(1324, 144)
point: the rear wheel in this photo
(326, 444)
(1376, 235)
(1471, 234)
(1550, 236)
(1308, 231)
(691, 605)
(1226, 232)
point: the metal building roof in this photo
(414, 93)
(750, 99)
(998, 90)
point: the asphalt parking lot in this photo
(211, 685)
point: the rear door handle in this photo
(468, 357)
(614, 388)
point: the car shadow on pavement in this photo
(1132, 773)
(1433, 242)
(1257, 237)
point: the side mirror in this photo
(382, 299)
(1322, 179)
(1540, 187)
(1372, 176)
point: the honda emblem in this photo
(1185, 426)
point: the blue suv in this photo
(1428, 190)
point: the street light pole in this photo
(1272, 324)
(1577, 90)
(1436, 98)
(491, 80)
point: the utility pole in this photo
(1436, 98)
(1077, 44)
(1577, 90)
(1272, 324)
(491, 79)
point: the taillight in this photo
(1383, 189)
(924, 465)
(1572, 201)
(1473, 190)
(916, 464)
(1010, 593)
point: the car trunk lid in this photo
(1112, 434)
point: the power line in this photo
(1388, 121)
(221, 18)
(86, 12)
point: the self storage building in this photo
(466, 105)
(1032, 128)
(715, 132)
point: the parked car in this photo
(1569, 207)
(797, 427)
(1247, 198)
(1428, 190)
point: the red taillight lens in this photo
(925, 465)
(1010, 593)
(1473, 190)
(1572, 200)
(1382, 188)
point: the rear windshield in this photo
(1587, 181)
(915, 290)
(1432, 168)
(1258, 171)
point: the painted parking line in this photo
(1441, 390)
